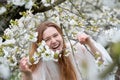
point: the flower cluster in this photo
(28, 3)
(18, 38)
(2, 10)
(45, 53)
(47, 2)
(98, 58)
(15, 42)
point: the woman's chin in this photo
(57, 50)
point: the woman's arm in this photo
(102, 57)
(26, 72)
(26, 76)
(87, 40)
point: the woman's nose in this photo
(53, 40)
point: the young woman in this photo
(78, 66)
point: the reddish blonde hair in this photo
(65, 65)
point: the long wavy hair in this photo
(67, 71)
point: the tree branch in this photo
(43, 8)
(3, 1)
(13, 12)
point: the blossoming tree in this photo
(19, 19)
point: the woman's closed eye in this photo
(47, 39)
(55, 35)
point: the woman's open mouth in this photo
(56, 47)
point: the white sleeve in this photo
(107, 62)
(85, 59)
(105, 55)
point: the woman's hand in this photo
(83, 38)
(24, 67)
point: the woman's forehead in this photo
(49, 31)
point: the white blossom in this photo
(4, 69)
(7, 42)
(36, 58)
(1, 41)
(45, 53)
(2, 10)
(14, 61)
(47, 2)
(18, 2)
(73, 22)
(110, 35)
(6, 51)
(8, 32)
(29, 4)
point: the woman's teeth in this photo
(55, 47)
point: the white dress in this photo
(83, 62)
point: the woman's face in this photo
(53, 39)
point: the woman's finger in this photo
(83, 38)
